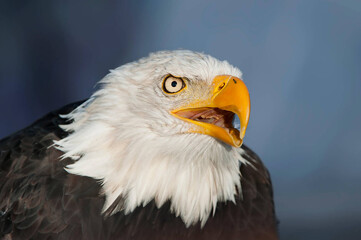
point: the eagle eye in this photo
(172, 85)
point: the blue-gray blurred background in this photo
(301, 62)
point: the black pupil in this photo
(174, 84)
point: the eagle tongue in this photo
(215, 116)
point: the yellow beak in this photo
(229, 96)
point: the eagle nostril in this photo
(221, 86)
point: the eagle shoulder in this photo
(257, 197)
(32, 179)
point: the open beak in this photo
(214, 117)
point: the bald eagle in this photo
(153, 154)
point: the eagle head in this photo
(161, 128)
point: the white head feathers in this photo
(125, 137)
